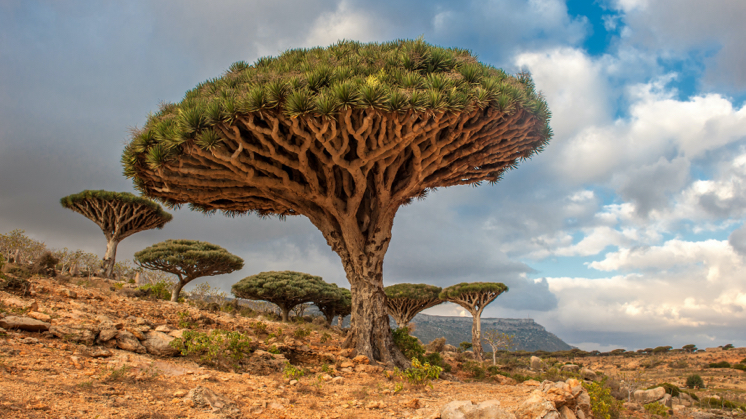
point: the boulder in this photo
(361, 359)
(558, 393)
(632, 406)
(24, 323)
(536, 363)
(449, 348)
(649, 396)
(127, 341)
(158, 343)
(68, 293)
(80, 334)
(667, 401)
(436, 345)
(39, 316)
(567, 413)
(535, 407)
(571, 368)
(24, 304)
(263, 362)
(107, 334)
(164, 328)
(588, 374)
(465, 409)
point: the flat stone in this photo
(82, 334)
(465, 409)
(68, 293)
(535, 406)
(99, 352)
(338, 380)
(164, 328)
(649, 396)
(361, 359)
(24, 304)
(346, 364)
(571, 368)
(107, 334)
(128, 342)
(158, 343)
(39, 316)
(24, 323)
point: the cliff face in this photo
(529, 335)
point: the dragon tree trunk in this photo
(110, 257)
(177, 290)
(476, 335)
(362, 245)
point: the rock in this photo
(535, 406)
(24, 323)
(649, 396)
(29, 341)
(164, 328)
(326, 377)
(375, 404)
(583, 401)
(263, 362)
(293, 382)
(338, 380)
(536, 363)
(127, 341)
(107, 334)
(571, 368)
(158, 343)
(24, 304)
(142, 322)
(68, 293)
(98, 352)
(504, 381)
(558, 393)
(632, 406)
(180, 393)
(449, 348)
(39, 316)
(203, 397)
(588, 374)
(566, 413)
(81, 334)
(465, 409)
(361, 359)
(703, 415)
(346, 364)
(436, 345)
(666, 401)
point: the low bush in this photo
(721, 364)
(435, 359)
(292, 372)
(695, 381)
(407, 344)
(44, 265)
(422, 374)
(161, 290)
(475, 369)
(603, 404)
(656, 408)
(17, 270)
(222, 349)
(718, 403)
(741, 367)
(302, 333)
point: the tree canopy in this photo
(119, 215)
(286, 289)
(344, 135)
(188, 260)
(474, 297)
(404, 301)
(335, 301)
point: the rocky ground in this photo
(84, 349)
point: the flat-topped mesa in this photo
(344, 135)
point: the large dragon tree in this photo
(343, 135)
(474, 297)
(286, 289)
(334, 302)
(188, 260)
(404, 301)
(119, 215)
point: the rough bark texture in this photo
(177, 290)
(110, 257)
(349, 176)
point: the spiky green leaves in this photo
(188, 259)
(459, 290)
(412, 291)
(123, 198)
(397, 76)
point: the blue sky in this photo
(627, 231)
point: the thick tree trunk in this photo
(285, 313)
(329, 318)
(110, 257)
(177, 290)
(476, 336)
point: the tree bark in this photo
(476, 336)
(110, 257)
(177, 290)
(285, 313)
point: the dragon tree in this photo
(188, 260)
(404, 301)
(343, 135)
(474, 297)
(119, 215)
(334, 302)
(285, 289)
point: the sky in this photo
(627, 231)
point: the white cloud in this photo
(344, 23)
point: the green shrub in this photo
(422, 374)
(17, 270)
(695, 381)
(721, 364)
(325, 337)
(44, 265)
(741, 367)
(302, 333)
(435, 359)
(408, 345)
(185, 320)
(464, 346)
(161, 290)
(656, 408)
(603, 404)
(475, 369)
(273, 350)
(222, 349)
(259, 327)
(712, 402)
(292, 372)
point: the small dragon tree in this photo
(404, 301)
(498, 340)
(286, 289)
(335, 301)
(474, 297)
(119, 215)
(343, 135)
(188, 260)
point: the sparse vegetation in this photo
(219, 348)
(656, 408)
(603, 404)
(694, 381)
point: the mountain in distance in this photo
(529, 335)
